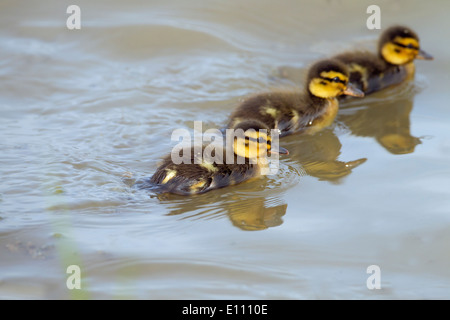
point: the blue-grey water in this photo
(86, 113)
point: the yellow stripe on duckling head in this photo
(333, 74)
(400, 50)
(329, 84)
(253, 134)
(169, 175)
(407, 42)
(325, 89)
(255, 144)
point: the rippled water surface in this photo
(87, 113)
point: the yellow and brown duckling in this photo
(297, 111)
(204, 172)
(398, 47)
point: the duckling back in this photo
(308, 111)
(201, 174)
(369, 73)
(286, 110)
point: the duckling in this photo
(398, 47)
(297, 111)
(203, 173)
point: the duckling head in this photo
(252, 140)
(400, 45)
(329, 79)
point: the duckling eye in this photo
(335, 79)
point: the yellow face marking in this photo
(240, 149)
(333, 74)
(264, 146)
(249, 148)
(325, 89)
(209, 166)
(269, 111)
(169, 175)
(397, 53)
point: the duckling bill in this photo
(398, 47)
(295, 111)
(196, 177)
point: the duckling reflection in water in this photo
(306, 111)
(201, 175)
(258, 216)
(387, 121)
(318, 156)
(250, 206)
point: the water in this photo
(85, 114)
